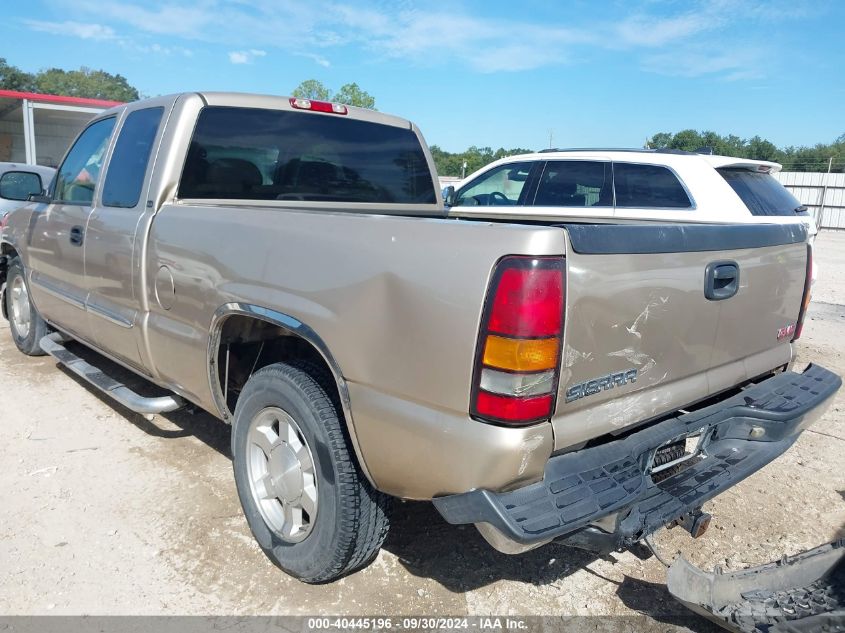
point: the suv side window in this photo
(501, 186)
(128, 164)
(575, 183)
(648, 186)
(77, 178)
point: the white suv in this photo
(626, 185)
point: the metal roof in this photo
(63, 99)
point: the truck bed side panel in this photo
(397, 302)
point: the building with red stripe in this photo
(37, 128)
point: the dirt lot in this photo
(107, 513)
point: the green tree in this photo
(94, 84)
(451, 164)
(813, 158)
(351, 94)
(687, 140)
(13, 78)
(312, 89)
(761, 149)
(661, 139)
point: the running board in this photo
(52, 344)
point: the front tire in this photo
(306, 501)
(26, 325)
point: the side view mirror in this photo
(19, 185)
(40, 198)
(449, 196)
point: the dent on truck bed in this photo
(642, 338)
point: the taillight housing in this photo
(808, 291)
(318, 106)
(517, 364)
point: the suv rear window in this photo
(648, 186)
(258, 154)
(761, 193)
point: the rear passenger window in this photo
(575, 183)
(761, 193)
(648, 186)
(129, 160)
(258, 154)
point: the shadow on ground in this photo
(189, 420)
(456, 557)
(654, 600)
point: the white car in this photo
(628, 185)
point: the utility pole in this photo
(824, 192)
(463, 170)
(551, 136)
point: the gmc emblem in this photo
(783, 332)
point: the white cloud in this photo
(733, 64)
(433, 34)
(317, 59)
(245, 57)
(76, 29)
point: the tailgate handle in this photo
(721, 280)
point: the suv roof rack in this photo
(662, 150)
(680, 152)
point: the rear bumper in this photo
(801, 593)
(584, 486)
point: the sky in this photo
(570, 73)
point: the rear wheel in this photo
(305, 499)
(26, 324)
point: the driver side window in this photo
(78, 176)
(501, 186)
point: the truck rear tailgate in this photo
(661, 316)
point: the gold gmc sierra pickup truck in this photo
(289, 266)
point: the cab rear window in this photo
(259, 154)
(761, 193)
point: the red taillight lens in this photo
(513, 409)
(518, 358)
(805, 299)
(527, 303)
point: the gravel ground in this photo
(105, 512)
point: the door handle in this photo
(76, 234)
(721, 280)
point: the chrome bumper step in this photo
(52, 344)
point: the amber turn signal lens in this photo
(521, 354)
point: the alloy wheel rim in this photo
(21, 313)
(282, 476)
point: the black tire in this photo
(352, 520)
(30, 344)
